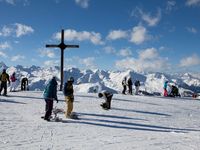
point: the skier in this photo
(4, 78)
(130, 84)
(13, 82)
(124, 85)
(69, 97)
(165, 88)
(108, 97)
(24, 84)
(50, 94)
(137, 85)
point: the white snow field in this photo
(133, 123)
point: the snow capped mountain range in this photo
(90, 81)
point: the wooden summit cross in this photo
(62, 47)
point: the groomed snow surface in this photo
(133, 123)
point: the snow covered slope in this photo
(133, 122)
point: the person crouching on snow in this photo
(69, 96)
(108, 97)
(50, 94)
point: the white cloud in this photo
(117, 34)
(150, 20)
(193, 2)
(125, 52)
(191, 30)
(17, 57)
(139, 35)
(147, 17)
(13, 2)
(6, 31)
(148, 60)
(190, 61)
(149, 53)
(170, 5)
(70, 35)
(5, 45)
(110, 50)
(51, 63)
(83, 3)
(48, 53)
(88, 62)
(17, 30)
(142, 65)
(23, 29)
(2, 54)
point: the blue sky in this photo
(143, 35)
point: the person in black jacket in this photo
(108, 97)
(137, 85)
(130, 84)
(124, 85)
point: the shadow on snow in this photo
(125, 125)
(139, 111)
(10, 101)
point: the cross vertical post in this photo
(62, 47)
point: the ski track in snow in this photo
(134, 122)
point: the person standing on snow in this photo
(13, 82)
(69, 97)
(130, 85)
(108, 97)
(50, 94)
(124, 85)
(4, 78)
(137, 86)
(165, 88)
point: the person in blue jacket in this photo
(165, 88)
(50, 94)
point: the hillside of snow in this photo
(91, 81)
(133, 122)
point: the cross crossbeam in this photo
(62, 47)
